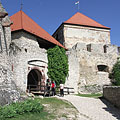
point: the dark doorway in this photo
(34, 80)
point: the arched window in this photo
(103, 68)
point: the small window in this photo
(25, 50)
(105, 48)
(89, 48)
(103, 68)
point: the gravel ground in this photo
(93, 109)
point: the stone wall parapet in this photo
(112, 94)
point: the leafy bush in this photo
(20, 108)
(115, 74)
(57, 64)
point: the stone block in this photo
(8, 96)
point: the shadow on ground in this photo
(111, 108)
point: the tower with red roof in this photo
(90, 53)
(29, 55)
(80, 28)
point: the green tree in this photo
(57, 64)
(115, 74)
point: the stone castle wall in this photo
(8, 90)
(112, 94)
(89, 49)
(83, 66)
(28, 50)
(5, 63)
(73, 76)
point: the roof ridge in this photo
(33, 21)
(81, 19)
(91, 19)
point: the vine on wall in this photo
(57, 64)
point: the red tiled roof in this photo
(81, 19)
(22, 21)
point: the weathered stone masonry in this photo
(69, 35)
(112, 94)
(23, 58)
(29, 50)
(83, 67)
(8, 91)
(90, 53)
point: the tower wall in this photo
(69, 35)
(26, 48)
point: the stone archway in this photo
(34, 80)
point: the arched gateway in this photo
(34, 80)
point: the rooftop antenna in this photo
(21, 8)
(78, 3)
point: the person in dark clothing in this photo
(48, 84)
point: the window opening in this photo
(25, 50)
(89, 48)
(103, 68)
(105, 48)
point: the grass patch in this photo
(58, 107)
(90, 95)
(34, 116)
(55, 102)
(53, 109)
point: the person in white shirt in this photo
(61, 90)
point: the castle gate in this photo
(34, 80)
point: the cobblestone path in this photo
(93, 109)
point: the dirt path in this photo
(93, 109)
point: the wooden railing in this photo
(68, 90)
(42, 89)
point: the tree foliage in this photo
(115, 74)
(57, 64)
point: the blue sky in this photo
(49, 14)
